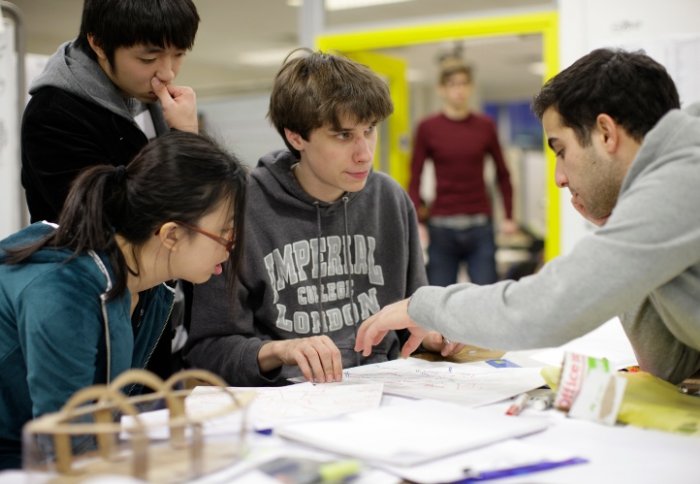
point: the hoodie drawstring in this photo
(348, 266)
(348, 270)
(324, 324)
(346, 254)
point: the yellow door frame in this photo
(544, 23)
(398, 125)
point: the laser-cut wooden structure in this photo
(91, 417)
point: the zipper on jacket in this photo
(105, 317)
(155, 343)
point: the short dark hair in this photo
(450, 68)
(315, 89)
(631, 87)
(124, 23)
(179, 176)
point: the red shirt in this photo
(458, 149)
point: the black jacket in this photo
(76, 118)
(61, 135)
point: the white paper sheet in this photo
(607, 341)
(275, 405)
(502, 455)
(271, 406)
(465, 383)
(409, 434)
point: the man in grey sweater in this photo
(328, 241)
(631, 160)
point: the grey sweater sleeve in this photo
(651, 244)
(222, 338)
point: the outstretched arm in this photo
(392, 317)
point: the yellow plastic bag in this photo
(650, 402)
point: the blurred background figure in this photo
(459, 221)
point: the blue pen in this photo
(518, 471)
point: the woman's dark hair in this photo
(124, 23)
(179, 176)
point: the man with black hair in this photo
(629, 157)
(103, 95)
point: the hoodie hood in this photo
(50, 255)
(31, 235)
(677, 130)
(72, 70)
(274, 174)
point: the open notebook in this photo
(409, 433)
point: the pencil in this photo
(518, 404)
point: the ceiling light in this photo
(536, 68)
(268, 57)
(347, 4)
(415, 75)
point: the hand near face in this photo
(179, 105)
(391, 317)
(317, 357)
(437, 343)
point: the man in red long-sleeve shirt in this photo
(459, 220)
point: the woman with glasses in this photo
(85, 300)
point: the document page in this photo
(411, 433)
(465, 383)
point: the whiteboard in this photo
(668, 32)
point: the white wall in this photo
(240, 124)
(667, 30)
(10, 187)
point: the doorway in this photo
(400, 53)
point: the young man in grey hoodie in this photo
(100, 99)
(328, 241)
(103, 95)
(631, 160)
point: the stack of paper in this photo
(465, 383)
(399, 434)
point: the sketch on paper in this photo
(275, 405)
(466, 383)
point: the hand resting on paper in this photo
(395, 316)
(317, 357)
